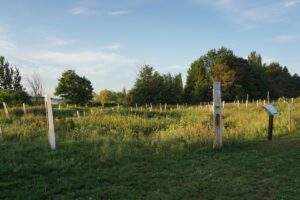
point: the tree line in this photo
(240, 78)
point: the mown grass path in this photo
(247, 170)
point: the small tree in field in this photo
(74, 89)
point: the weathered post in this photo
(268, 97)
(5, 109)
(217, 115)
(24, 109)
(78, 115)
(165, 107)
(51, 131)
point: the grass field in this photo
(134, 154)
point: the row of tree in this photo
(239, 77)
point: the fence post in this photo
(290, 117)
(5, 109)
(24, 109)
(217, 112)
(51, 131)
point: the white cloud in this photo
(248, 13)
(114, 46)
(58, 41)
(287, 38)
(104, 68)
(87, 8)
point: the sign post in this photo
(271, 110)
(51, 131)
(217, 115)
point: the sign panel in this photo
(271, 110)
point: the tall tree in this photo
(73, 88)
(10, 82)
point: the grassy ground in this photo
(164, 164)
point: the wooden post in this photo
(270, 130)
(268, 97)
(1, 132)
(5, 109)
(290, 117)
(217, 115)
(160, 108)
(78, 115)
(24, 109)
(59, 107)
(165, 107)
(51, 131)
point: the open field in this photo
(134, 154)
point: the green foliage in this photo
(74, 89)
(238, 77)
(107, 96)
(152, 87)
(11, 89)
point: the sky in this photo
(108, 41)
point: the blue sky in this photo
(107, 41)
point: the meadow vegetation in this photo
(128, 153)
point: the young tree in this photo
(74, 89)
(36, 86)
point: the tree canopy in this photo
(153, 87)
(12, 90)
(73, 88)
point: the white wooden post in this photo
(160, 108)
(136, 106)
(51, 131)
(217, 112)
(165, 107)
(24, 109)
(223, 104)
(77, 112)
(5, 109)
